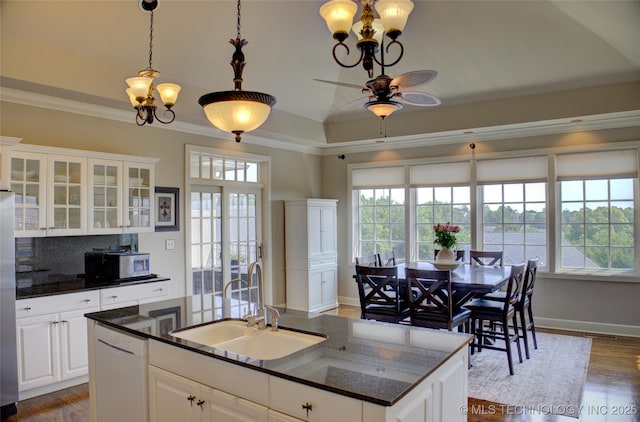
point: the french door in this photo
(226, 228)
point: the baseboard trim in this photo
(589, 326)
(349, 301)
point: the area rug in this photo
(551, 382)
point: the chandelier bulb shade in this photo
(237, 111)
(141, 87)
(370, 31)
(383, 108)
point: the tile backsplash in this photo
(41, 259)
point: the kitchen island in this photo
(363, 371)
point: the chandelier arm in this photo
(346, 48)
(140, 118)
(382, 63)
(171, 113)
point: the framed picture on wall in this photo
(167, 209)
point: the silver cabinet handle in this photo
(27, 308)
(87, 300)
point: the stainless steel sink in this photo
(235, 337)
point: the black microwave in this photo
(108, 266)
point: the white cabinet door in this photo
(173, 398)
(73, 343)
(138, 197)
(66, 195)
(105, 196)
(225, 407)
(322, 289)
(28, 175)
(38, 346)
(328, 230)
(281, 417)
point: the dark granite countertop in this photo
(366, 360)
(77, 284)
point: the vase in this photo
(446, 254)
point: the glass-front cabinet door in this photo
(105, 196)
(66, 195)
(139, 213)
(28, 173)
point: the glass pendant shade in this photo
(338, 14)
(377, 25)
(237, 115)
(132, 98)
(383, 108)
(168, 93)
(139, 86)
(394, 13)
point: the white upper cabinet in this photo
(80, 192)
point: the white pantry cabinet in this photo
(175, 398)
(311, 254)
(52, 341)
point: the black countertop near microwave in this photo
(73, 284)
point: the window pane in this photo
(572, 191)
(596, 190)
(492, 193)
(621, 189)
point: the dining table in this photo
(467, 281)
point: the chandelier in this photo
(393, 15)
(141, 87)
(237, 111)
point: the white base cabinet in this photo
(175, 398)
(52, 341)
(311, 254)
(52, 334)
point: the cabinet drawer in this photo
(324, 261)
(293, 399)
(134, 294)
(57, 303)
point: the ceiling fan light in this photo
(338, 14)
(394, 14)
(237, 111)
(377, 26)
(383, 109)
(168, 93)
(139, 86)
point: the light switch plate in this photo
(170, 244)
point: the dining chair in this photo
(497, 320)
(387, 259)
(368, 260)
(523, 307)
(459, 254)
(379, 291)
(486, 258)
(431, 300)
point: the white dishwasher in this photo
(121, 376)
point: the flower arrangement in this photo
(445, 235)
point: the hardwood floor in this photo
(613, 382)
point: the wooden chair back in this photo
(387, 259)
(486, 258)
(367, 260)
(379, 292)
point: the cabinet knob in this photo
(191, 399)
(201, 403)
(55, 322)
(114, 297)
(87, 300)
(43, 228)
(27, 308)
(308, 407)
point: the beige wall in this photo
(601, 306)
(578, 304)
(294, 175)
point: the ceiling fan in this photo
(387, 94)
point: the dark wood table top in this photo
(473, 278)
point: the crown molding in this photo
(266, 138)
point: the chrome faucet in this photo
(275, 314)
(257, 316)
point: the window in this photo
(514, 220)
(597, 224)
(441, 205)
(380, 221)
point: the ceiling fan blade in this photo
(343, 84)
(416, 98)
(415, 78)
(360, 102)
